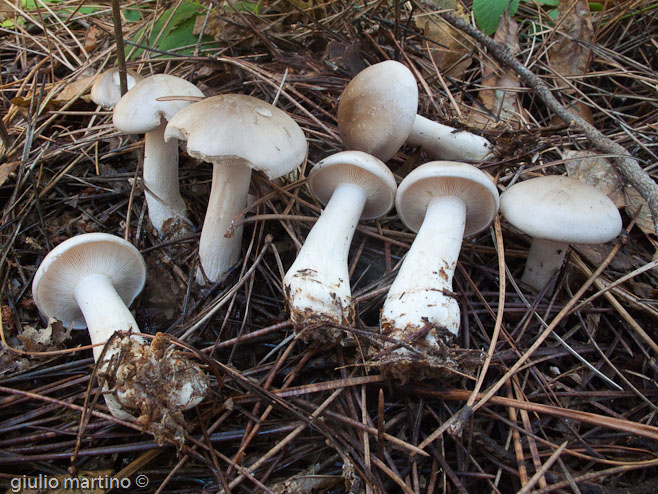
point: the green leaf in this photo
(252, 7)
(131, 15)
(487, 13)
(552, 3)
(596, 7)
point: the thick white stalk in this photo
(105, 312)
(417, 297)
(447, 143)
(544, 260)
(162, 188)
(228, 197)
(317, 285)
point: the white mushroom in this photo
(89, 281)
(353, 185)
(106, 89)
(377, 114)
(235, 133)
(556, 211)
(443, 202)
(141, 111)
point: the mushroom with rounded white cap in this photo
(146, 110)
(443, 201)
(377, 114)
(89, 281)
(236, 133)
(352, 185)
(106, 89)
(556, 211)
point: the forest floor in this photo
(576, 412)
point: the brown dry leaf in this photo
(7, 169)
(502, 100)
(48, 338)
(587, 166)
(450, 49)
(91, 39)
(70, 91)
(568, 57)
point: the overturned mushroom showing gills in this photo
(353, 185)
(556, 211)
(443, 201)
(106, 89)
(89, 281)
(377, 114)
(235, 133)
(140, 111)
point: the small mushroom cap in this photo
(377, 109)
(106, 89)
(358, 168)
(139, 111)
(561, 209)
(243, 130)
(61, 270)
(447, 179)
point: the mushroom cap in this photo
(139, 111)
(60, 271)
(240, 129)
(106, 89)
(377, 109)
(444, 179)
(561, 209)
(358, 168)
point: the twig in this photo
(625, 164)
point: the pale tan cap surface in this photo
(139, 111)
(358, 168)
(240, 128)
(106, 89)
(377, 109)
(447, 179)
(562, 209)
(91, 253)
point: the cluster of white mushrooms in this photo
(91, 280)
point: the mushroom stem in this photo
(318, 283)
(161, 185)
(228, 197)
(103, 309)
(446, 142)
(418, 294)
(544, 259)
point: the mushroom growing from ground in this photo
(353, 185)
(106, 90)
(140, 111)
(377, 114)
(443, 201)
(235, 133)
(89, 281)
(556, 211)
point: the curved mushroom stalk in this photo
(317, 285)
(228, 197)
(447, 142)
(161, 185)
(419, 308)
(544, 260)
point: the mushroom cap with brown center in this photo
(358, 168)
(243, 130)
(561, 209)
(447, 179)
(62, 269)
(141, 109)
(378, 108)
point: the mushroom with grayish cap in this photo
(89, 281)
(556, 211)
(106, 89)
(443, 201)
(377, 114)
(235, 133)
(141, 111)
(353, 185)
